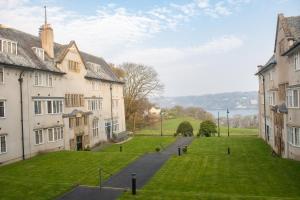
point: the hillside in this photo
(221, 101)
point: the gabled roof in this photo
(27, 58)
(291, 27)
(271, 63)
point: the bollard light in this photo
(121, 148)
(179, 151)
(228, 151)
(133, 183)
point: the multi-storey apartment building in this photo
(54, 96)
(279, 91)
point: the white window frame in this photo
(115, 126)
(55, 134)
(95, 127)
(294, 136)
(38, 78)
(291, 98)
(297, 61)
(272, 97)
(94, 104)
(8, 43)
(56, 106)
(2, 76)
(38, 133)
(4, 108)
(5, 143)
(43, 79)
(40, 109)
(39, 52)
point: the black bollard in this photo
(121, 148)
(133, 183)
(179, 151)
(228, 151)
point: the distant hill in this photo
(220, 101)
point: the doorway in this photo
(108, 129)
(79, 143)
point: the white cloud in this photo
(167, 56)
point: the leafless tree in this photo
(141, 81)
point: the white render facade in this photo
(279, 91)
(70, 100)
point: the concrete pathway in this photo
(145, 167)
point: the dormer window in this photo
(39, 52)
(94, 66)
(8, 46)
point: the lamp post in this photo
(228, 121)
(218, 125)
(161, 119)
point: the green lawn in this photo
(170, 126)
(207, 172)
(50, 175)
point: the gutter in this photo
(265, 115)
(22, 120)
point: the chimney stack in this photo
(46, 36)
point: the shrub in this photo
(157, 149)
(185, 129)
(207, 128)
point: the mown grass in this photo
(170, 126)
(50, 175)
(207, 172)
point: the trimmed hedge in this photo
(185, 129)
(207, 128)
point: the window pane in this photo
(1, 74)
(49, 105)
(2, 112)
(295, 98)
(2, 144)
(50, 133)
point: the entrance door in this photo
(107, 129)
(79, 143)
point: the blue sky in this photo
(196, 46)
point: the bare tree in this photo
(141, 81)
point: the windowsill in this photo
(43, 86)
(3, 153)
(294, 145)
(39, 144)
(2, 118)
(293, 107)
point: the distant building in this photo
(54, 96)
(279, 91)
(155, 111)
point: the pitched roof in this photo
(27, 58)
(271, 62)
(294, 26)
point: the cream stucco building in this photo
(279, 91)
(53, 96)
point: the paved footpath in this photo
(144, 167)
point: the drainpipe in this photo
(111, 110)
(265, 115)
(22, 120)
